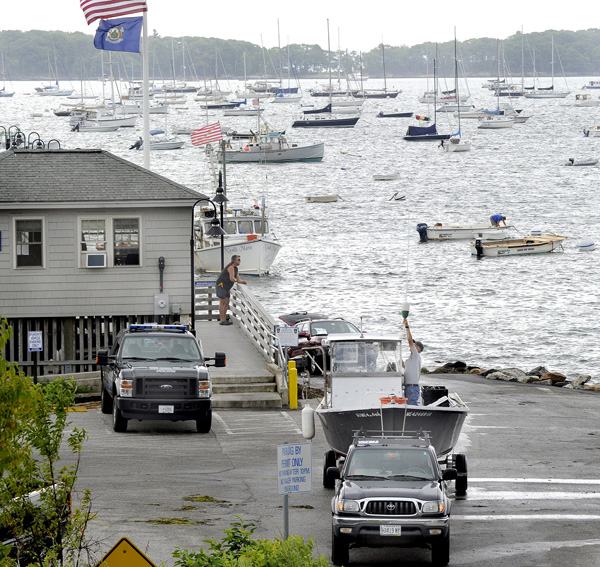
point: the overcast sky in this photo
(360, 25)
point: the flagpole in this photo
(146, 100)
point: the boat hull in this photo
(262, 154)
(326, 123)
(457, 232)
(519, 247)
(444, 424)
(427, 138)
(258, 256)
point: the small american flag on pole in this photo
(206, 135)
(95, 9)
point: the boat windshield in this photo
(387, 463)
(366, 356)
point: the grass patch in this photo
(202, 498)
(173, 522)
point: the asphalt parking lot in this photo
(534, 489)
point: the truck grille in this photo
(166, 388)
(390, 508)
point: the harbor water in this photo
(360, 258)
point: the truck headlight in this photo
(433, 507)
(125, 388)
(204, 389)
(348, 506)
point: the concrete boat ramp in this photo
(248, 380)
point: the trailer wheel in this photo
(460, 463)
(328, 461)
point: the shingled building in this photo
(88, 242)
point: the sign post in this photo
(36, 344)
(294, 474)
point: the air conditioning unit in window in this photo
(95, 260)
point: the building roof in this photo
(82, 176)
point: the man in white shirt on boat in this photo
(412, 369)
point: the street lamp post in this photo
(214, 230)
(221, 199)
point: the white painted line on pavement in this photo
(528, 517)
(537, 480)
(222, 422)
(289, 418)
(482, 494)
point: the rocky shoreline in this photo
(539, 375)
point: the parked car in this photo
(391, 491)
(157, 372)
(311, 334)
(292, 319)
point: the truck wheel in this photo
(203, 425)
(106, 402)
(119, 422)
(440, 551)
(328, 461)
(340, 550)
(460, 463)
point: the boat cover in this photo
(319, 110)
(421, 130)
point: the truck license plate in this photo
(166, 409)
(390, 530)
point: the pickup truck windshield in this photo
(166, 347)
(399, 464)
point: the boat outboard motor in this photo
(422, 230)
(479, 248)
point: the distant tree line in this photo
(42, 55)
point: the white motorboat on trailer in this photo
(363, 391)
(448, 231)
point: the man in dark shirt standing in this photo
(225, 282)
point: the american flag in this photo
(206, 135)
(95, 9)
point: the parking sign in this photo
(35, 341)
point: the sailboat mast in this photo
(329, 59)
(456, 81)
(498, 72)
(552, 63)
(383, 58)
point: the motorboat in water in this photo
(272, 147)
(449, 231)
(322, 199)
(576, 162)
(363, 392)
(394, 114)
(386, 176)
(247, 234)
(531, 244)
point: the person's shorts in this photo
(223, 293)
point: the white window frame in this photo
(109, 243)
(16, 244)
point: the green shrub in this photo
(238, 549)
